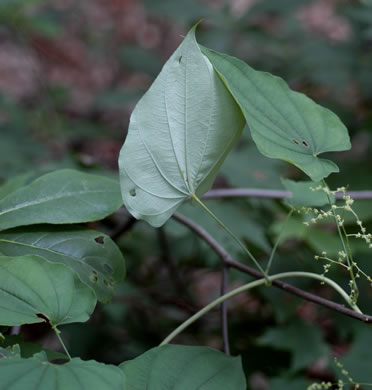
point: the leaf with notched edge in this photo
(92, 255)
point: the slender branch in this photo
(224, 320)
(246, 192)
(227, 259)
(271, 194)
(249, 286)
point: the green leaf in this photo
(13, 184)
(32, 288)
(304, 193)
(92, 255)
(284, 124)
(11, 351)
(29, 349)
(177, 367)
(64, 196)
(179, 135)
(304, 341)
(37, 373)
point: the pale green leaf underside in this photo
(284, 124)
(179, 134)
(92, 255)
(64, 196)
(30, 285)
(178, 367)
(304, 193)
(36, 373)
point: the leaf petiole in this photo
(272, 254)
(57, 332)
(232, 235)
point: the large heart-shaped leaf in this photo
(179, 134)
(64, 196)
(179, 367)
(37, 373)
(32, 288)
(92, 255)
(284, 124)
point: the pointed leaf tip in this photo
(179, 134)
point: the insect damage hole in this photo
(295, 141)
(179, 59)
(94, 276)
(100, 240)
(305, 144)
(132, 192)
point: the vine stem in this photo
(254, 284)
(236, 239)
(57, 332)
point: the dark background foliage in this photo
(70, 74)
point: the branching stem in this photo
(227, 260)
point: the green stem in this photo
(251, 285)
(347, 250)
(277, 242)
(236, 239)
(57, 332)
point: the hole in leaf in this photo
(295, 141)
(100, 240)
(108, 268)
(179, 59)
(132, 192)
(94, 276)
(44, 317)
(305, 143)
